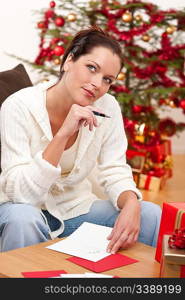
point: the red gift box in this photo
(172, 261)
(173, 217)
(159, 152)
(131, 153)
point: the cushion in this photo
(11, 81)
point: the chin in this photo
(84, 102)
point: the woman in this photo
(52, 139)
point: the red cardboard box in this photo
(173, 217)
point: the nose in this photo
(96, 81)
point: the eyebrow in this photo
(100, 68)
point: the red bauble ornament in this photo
(42, 25)
(49, 14)
(162, 101)
(129, 123)
(137, 108)
(182, 104)
(167, 127)
(54, 41)
(59, 21)
(59, 50)
(52, 4)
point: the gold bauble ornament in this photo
(71, 17)
(127, 17)
(172, 104)
(170, 29)
(138, 18)
(121, 76)
(57, 61)
(146, 38)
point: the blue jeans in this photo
(22, 225)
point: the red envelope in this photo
(107, 263)
(43, 274)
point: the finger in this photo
(90, 119)
(129, 242)
(109, 237)
(136, 237)
(112, 236)
(121, 242)
(90, 109)
(112, 242)
(90, 127)
(85, 118)
(93, 119)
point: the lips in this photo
(89, 93)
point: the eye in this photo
(108, 80)
(91, 68)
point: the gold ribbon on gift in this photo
(179, 218)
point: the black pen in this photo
(96, 113)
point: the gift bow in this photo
(177, 240)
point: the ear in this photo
(68, 60)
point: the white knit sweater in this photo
(27, 178)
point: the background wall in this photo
(19, 36)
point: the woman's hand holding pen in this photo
(78, 116)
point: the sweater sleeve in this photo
(24, 178)
(115, 174)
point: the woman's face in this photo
(90, 76)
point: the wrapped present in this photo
(154, 179)
(157, 153)
(136, 160)
(173, 217)
(148, 182)
(161, 151)
(164, 167)
(172, 260)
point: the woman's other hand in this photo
(127, 226)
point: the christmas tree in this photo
(153, 76)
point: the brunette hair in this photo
(85, 40)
